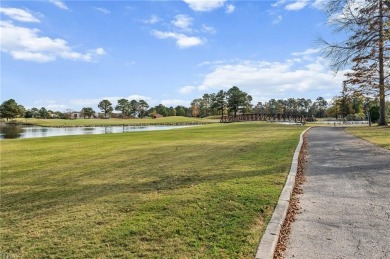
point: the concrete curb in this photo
(270, 238)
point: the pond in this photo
(16, 131)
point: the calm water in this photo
(12, 132)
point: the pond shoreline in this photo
(107, 125)
(16, 131)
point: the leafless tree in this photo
(366, 46)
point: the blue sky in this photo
(72, 54)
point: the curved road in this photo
(345, 205)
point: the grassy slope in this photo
(377, 135)
(113, 121)
(196, 192)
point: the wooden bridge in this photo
(265, 117)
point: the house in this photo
(76, 115)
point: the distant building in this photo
(53, 115)
(76, 115)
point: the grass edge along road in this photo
(206, 192)
(378, 135)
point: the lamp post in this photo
(369, 117)
(367, 107)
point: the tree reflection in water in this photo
(11, 131)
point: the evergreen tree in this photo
(367, 47)
(106, 107)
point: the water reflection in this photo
(14, 131)
(88, 130)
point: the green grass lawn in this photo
(201, 192)
(114, 121)
(377, 135)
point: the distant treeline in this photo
(233, 102)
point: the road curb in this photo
(270, 238)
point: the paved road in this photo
(346, 199)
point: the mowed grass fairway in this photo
(379, 136)
(199, 192)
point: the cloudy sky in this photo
(72, 54)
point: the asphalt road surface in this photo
(345, 205)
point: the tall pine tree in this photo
(366, 47)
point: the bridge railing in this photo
(264, 117)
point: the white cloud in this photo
(264, 80)
(31, 56)
(230, 8)
(319, 4)
(59, 4)
(19, 15)
(309, 54)
(112, 99)
(295, 5)
(211, 63)
(306, 52)
(183, 22)
(183, 32)
(187, 89)
(350, 11)
(103, 10)
(95, 101)
(139, 97)
(315, 67)
(277, 19)
(182, 40)
(208, 29)
(49, 104)
(152, 20)
(100, 51)
(298, 5)
(86, 102)
(26, 44)
(56, 107)
(175, 102)
(278, 3)
(204, 5)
